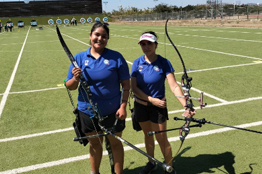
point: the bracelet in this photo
(124, 101)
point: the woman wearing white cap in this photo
(148, 75)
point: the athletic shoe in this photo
(149, 168)
(93, 172)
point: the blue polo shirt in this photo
(103, 76)
(151, 76)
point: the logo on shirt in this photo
(140, 68)
(156, 68)
(86, 62)
(106, 62)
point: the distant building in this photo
(49, 7)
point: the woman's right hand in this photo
(76, 72)
(189, 113)
(161, 103)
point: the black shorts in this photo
(154, 114)
(87, 124)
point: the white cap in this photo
(148, 37)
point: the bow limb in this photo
(186, 85)
(183, 64)
(183, 132)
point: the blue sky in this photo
(143, 4)
(110, 5)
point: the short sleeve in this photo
(134, 68)
(123, 70)
(168, 67)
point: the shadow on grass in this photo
(208, 163)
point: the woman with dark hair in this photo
(148, 76)
(105, 71)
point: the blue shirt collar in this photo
(88, 54)
(143, 61)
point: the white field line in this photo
(200, 49)
(219, 52)
(224, 38)
(35, 135)
(221, 104)
(196, 30)
(222, 67)
(207, 94)
(31, 51)
(128, 119)
(129, 62)
(51, 41)
(15, 69)
(37, 90)
(3, 101)
(216, 68)
(71, 37)
(220, 31)
(194, 89)
(126, 148)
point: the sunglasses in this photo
(103, 23)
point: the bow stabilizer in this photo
(204, 121)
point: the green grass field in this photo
(36, 134)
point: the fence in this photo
(239, 13)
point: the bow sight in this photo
(200, 99)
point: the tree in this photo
(162, 8)
(200, 7)
(189, 8)
(175, 8)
